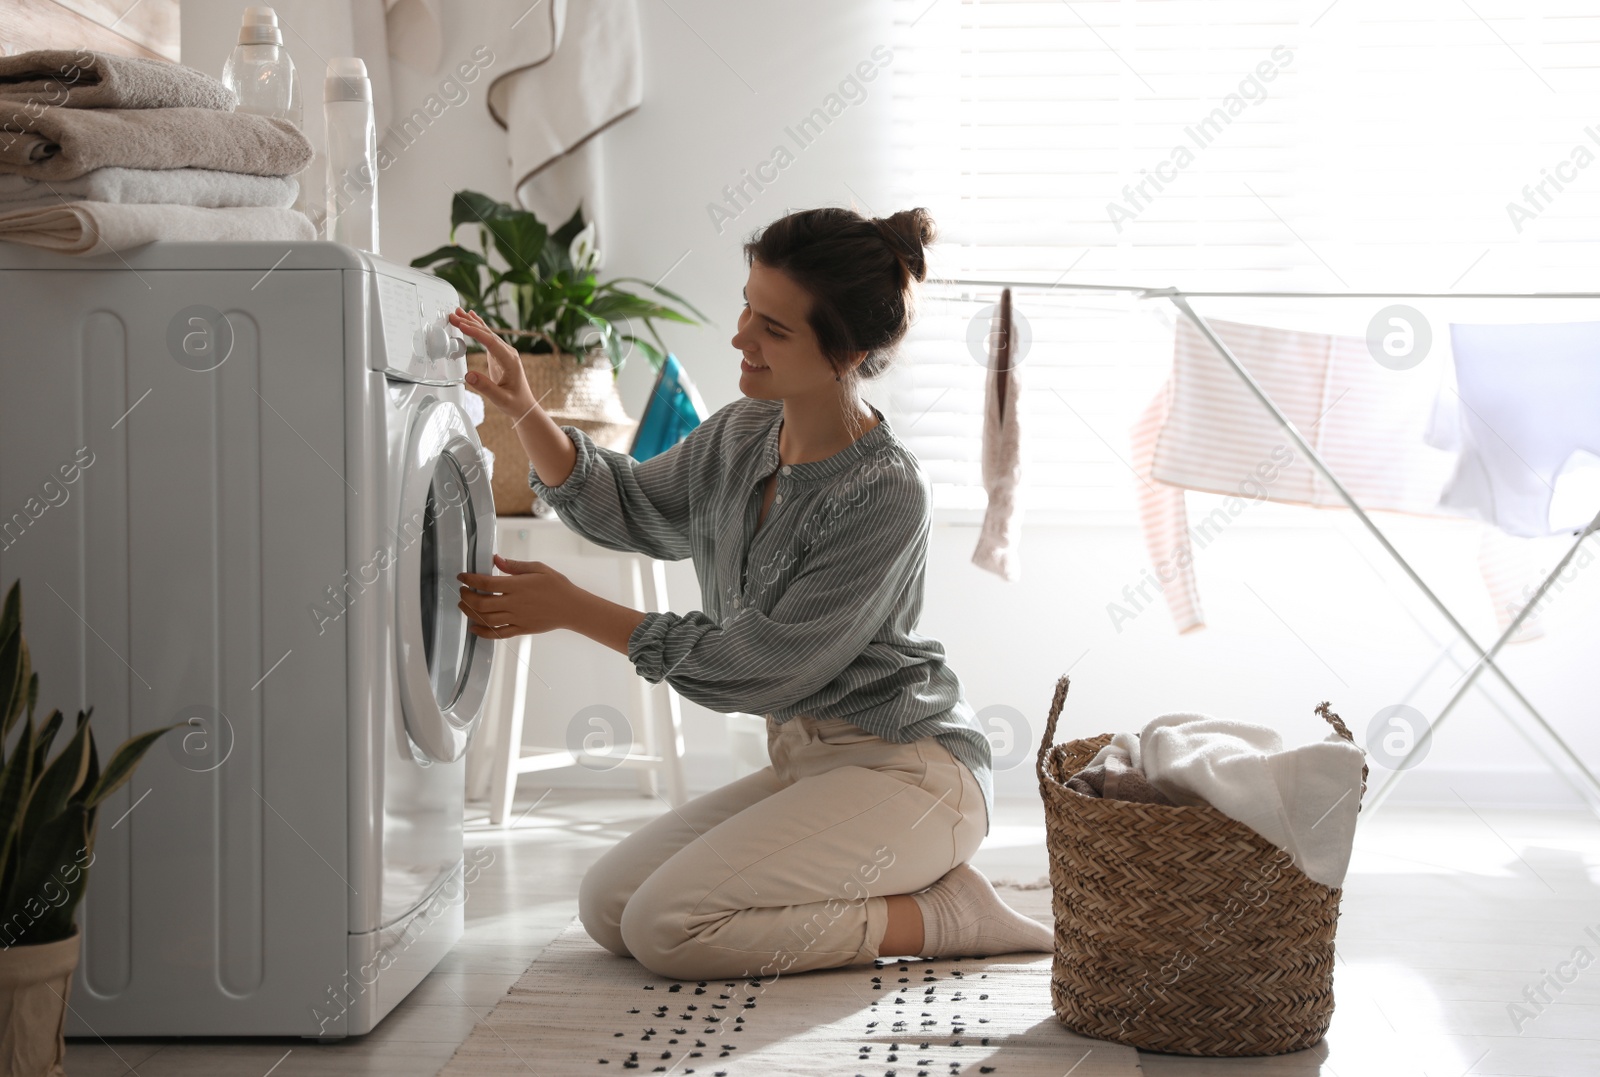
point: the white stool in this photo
(529, 538)
(747, 742)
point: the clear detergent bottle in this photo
(352, 182)
(260, 71)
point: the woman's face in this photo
(780, 357)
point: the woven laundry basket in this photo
(1180, 929)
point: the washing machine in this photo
(237, 483)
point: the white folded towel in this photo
(1303, 800)
(1125, 746)
(177, 186)
(100, 227)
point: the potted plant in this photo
(47, 829)
(545, 299)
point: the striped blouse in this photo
(815, 611)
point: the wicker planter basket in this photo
(34, 983)
(581, 395)
(1179, 929)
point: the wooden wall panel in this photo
(128, 27)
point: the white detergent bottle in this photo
(260, 71)
(352, 182)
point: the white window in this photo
(1354, 145)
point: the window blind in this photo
(1213, 144)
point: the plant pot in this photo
(581, 393)
(34, 982)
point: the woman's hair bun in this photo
(908, 232)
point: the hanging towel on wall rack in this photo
(1002, 453)
(572, 71)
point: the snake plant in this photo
(47, 805)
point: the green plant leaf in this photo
(450, 252)
(464, 279)
(58, 781)
(15, 667)
(622, 305)
(41, 741)
(564, 235)
(674, 296)
(91, 776)
(123, 760)
(519, 238)
(608, 339)
(472, 207)
(50, 855)
(650, 351)
(15, 782)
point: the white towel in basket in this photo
(1303, 800)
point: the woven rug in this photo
(580, 1009)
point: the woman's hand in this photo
(506, 387)
(532, 597)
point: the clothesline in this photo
(1589, 787)
(1181, 293)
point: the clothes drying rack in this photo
(1587, 785)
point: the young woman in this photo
(808, 522)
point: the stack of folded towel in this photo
(1304, 800)
(100, 153)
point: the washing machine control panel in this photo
(413, 339)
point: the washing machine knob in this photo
(436, 342)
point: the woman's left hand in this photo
(532, 597)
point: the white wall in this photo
(1298, 612)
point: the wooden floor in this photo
(1452, 919)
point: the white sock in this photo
(962, 916)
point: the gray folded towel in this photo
(79, 78)
(183, 186)
(61, 143)
(99, 227)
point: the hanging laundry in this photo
(1527, 423)
(1000, 534)
(1205, 430)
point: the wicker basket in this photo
(581, 395)
(1179, 929)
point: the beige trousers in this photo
(787, 869)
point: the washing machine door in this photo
(446, 527)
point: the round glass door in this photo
(447, 524)
(449, 547)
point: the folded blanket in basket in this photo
(99, 227)
(79, 78)
(62, 143)
(180, 186)
(1303, 800)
